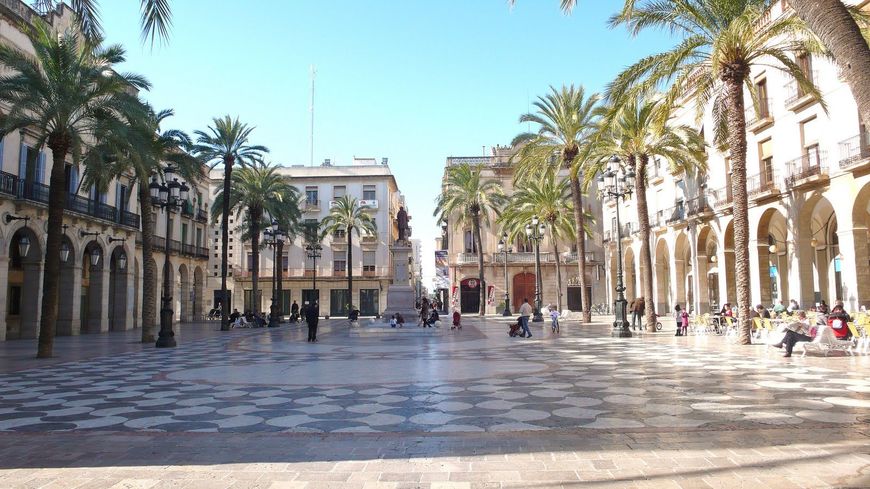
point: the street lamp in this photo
(535, 232)
(313, 253)
(616, 183)
(275, 239)
(504, 250)
(167, 196)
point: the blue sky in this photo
(412, 80)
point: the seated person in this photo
(837, 321)
(433, 317)
(353, 315)
(259, 320)
(795, 331)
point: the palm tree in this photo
(348, 216)
(549, 198)
(721, 41)
(471, 199)
(565, 118)
(156, 17)
(64, 95)
(142, 152)
(226, 143)
(257, 193)
(634, 130)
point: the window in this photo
(339, 265)
(761, 92)
(470, 245)
(369, 192)
(311, 195)
(339, 233)
(250, 262)
(369, 261)
(311, 228)
(805, 62)
(285, 262)
(765, 151)
(524, 245)
(339, 191)
(183, 233)
(198, 237)
(810, 140)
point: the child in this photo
(684, 318)
(400, 320)
(393, 321)
(457, 318)
(554, 319)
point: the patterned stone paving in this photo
(478, 380)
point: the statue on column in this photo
(402, 223)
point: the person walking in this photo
(554, 320)
(525, 312)
(294, 312)
(678, 316)
(424, 313)
(312, 313)
(638, 308)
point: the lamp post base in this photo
(537, 317)
(507, 307)
(166, 337)
(620, 325)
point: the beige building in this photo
(463, 262)
(101, 269)
(809, 204)
(374, 186)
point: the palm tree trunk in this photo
(51, 270)
(831, 21)
(256, 306)
(580, 221)
(646, 278)
(478, 243)
(558, 268)
(149, 274)
(225, 242)
(737, 145)
(349, 267)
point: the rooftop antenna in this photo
(311, 140)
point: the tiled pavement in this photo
(263, 408)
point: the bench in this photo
(825, 342)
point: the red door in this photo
(524, 288)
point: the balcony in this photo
(368, 239)
(371, 204)
(466, 258)
(490, 161)
(571, 257)
(333, 204)
(523, 257)
(654, 174)
(187, 209)
(762, 186)
(760, 117)
(808, 170)
(795, 98)
(698, 207)
(311, 205)
(720, 198)
(202, 215)
(854, 152)
(16, 188)
(675, 214)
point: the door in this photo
(524, 288)
(368, 302)
(470, 295)
(338, 302)
(574, 299)
(217, 300)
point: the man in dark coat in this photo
(294, 312)
(311, 316)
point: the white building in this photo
(809, 204)
(374, 186)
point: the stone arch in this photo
(662, 269)
(198, 293)
(772, 241)
(184, 294)
(68, 320)
(24, 284)
(683, 265)
(631, 290)
(861, 250)
(818, 225)
(707, 263)
(119, 264)
(93, 295)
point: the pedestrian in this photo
(294, 312)
(457, 318)
(393, 321)
(400, 320)
(678, 316)
(779, 308)
(525, 312)
(638, 308)
(312, 314)
(424, 314)
(554, 320)
(684, 321)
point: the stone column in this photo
(122, 301)
(756, 274)
(4, 289)
(69, 318)
(102, 295)
(722, 259)
(800, 271)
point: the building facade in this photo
(462, 257)
(325, 279)
(809, 192)
(101, 258)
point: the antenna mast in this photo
(311, 141)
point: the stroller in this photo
(516, 330)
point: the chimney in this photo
(384, 161)
(327, 162)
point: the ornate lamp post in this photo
(616, 183)
(313, 253)
(275, 238)
(167, 196)
(504, 250)
(535, 232)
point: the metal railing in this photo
(806, 166)
(571, 257)
(698, 205)
(854, 150)
(761, 183)
(523, 257)
(202, 215)
(466, 258)
(719, 197)
(755, 114)
(187, 209)
(674, 214)
(8, 184)
(793, 92)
